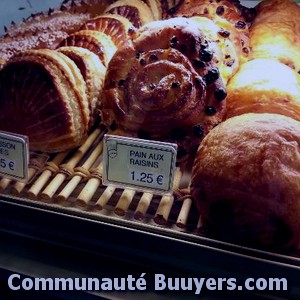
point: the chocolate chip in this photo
(137, 55)
(227, 56)
(205, 11)
(175, 84)
(172, 10)
(112, 84)
(178, 133)
(211, 76)
(220, 94)
(152, 86)
(198, 130)
(210, 110)
(220, 10)
(224, 33)
(181, 153)
(153, 57)
(142, 62)
(206, 55)
(121, 82)
(240, 25)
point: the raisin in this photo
(220, 10)
(220, 94)
(210, 110)
(198, 130)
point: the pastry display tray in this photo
(66, 204)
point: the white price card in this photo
(14, 156)
(141, 164)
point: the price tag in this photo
(14, 156)
(140, 164)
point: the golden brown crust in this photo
(43, 96)
(165, 92)
(93, 72)
(48, 29)
(117, 27)
(225, 14)
(97, 42)
(227, 58)
(264, 85)
(245, 181)
(136, 11)
(275, 33)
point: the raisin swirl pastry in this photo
(43, 96)
(164, 86)
(226, 14)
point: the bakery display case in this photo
(67, 219)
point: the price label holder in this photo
(14, 156)
(140, 164)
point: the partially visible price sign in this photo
(14, 156)
(140, 164)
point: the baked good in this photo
(98, 42)
(228, 15)
(245, 181)
(264, 85)
(165, 85)
(275, 32)
(93, 73)
(225, 52)
(117, 27)
(47, 29)
(43, 96)
(136, 11)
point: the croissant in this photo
(257, 88)
(43, 96)
(165, 85)
(275, 33)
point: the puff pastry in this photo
(43, 96)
